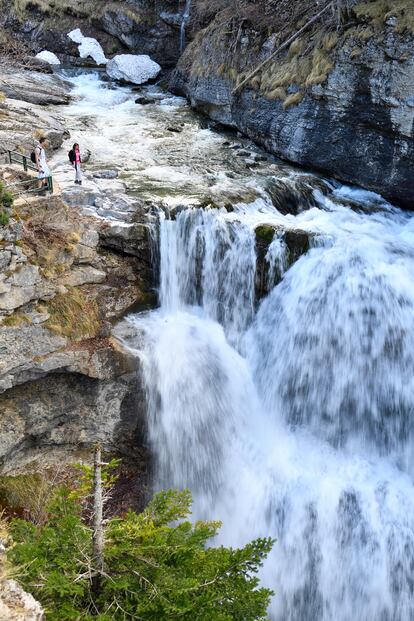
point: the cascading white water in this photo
(184, 20)
(209, 262)
(294, 420)
(276, 257)
(297, 422)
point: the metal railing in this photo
(17, 158)
(14, 157)
(28, 182)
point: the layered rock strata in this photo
(339, 100)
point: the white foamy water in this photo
(300, 427)
(292, 419)
(277, 258)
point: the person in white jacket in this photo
(41, 163)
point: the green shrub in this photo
(157, 565)
(4, 218)
(6, 203)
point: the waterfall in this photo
(209, 262)
(295, 420)
(276, 257)
(184, 20)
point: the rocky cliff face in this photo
(64, 381)
(138, 26)
(339, 99)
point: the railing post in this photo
(10, 157)
(50, 184)
(25, 163)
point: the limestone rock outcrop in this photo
(17, 605)
(33, 87)
(65, 382)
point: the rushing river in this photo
(292, 417)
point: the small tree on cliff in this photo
(155, 567)
(6, 203)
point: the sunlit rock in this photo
(17, 605)
(132, 68)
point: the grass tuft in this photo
(293, 100)
(74, 315)
(330, 41)
(379, 11)
(15, 320)
(277, 93)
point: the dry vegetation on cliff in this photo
(73, 314)
(282, 16)
(80, 8)
(378, 12)
(249, 32)
(73, 7)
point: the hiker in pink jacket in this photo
(75, 160)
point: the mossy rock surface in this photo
(265, 233)
(297, 244)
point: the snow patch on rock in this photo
(88, 47)
(136, 69)
(48, 57)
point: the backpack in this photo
(33, 154)
(71, 156)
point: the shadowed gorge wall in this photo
(339, 99)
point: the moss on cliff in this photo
(265, 233)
